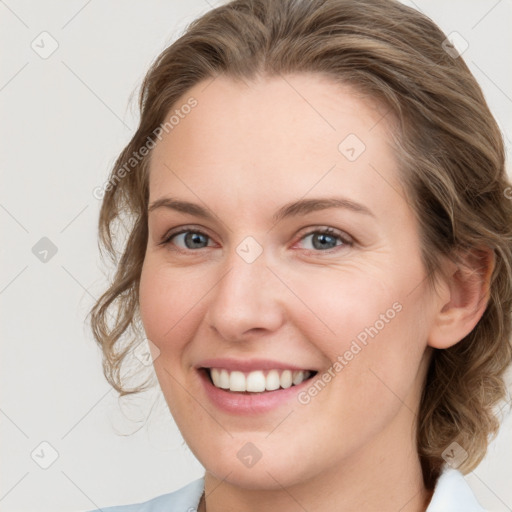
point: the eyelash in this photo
(166, 240)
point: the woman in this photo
(320, 255)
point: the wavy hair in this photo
(451, 161)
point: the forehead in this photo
(294, 107)
(293, 132)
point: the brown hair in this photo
(451, 157)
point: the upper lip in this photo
(248, 365)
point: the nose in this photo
(247, 300)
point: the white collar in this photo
(453, 494)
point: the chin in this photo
(276, 467)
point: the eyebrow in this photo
(300, 207)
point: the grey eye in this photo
(191, 239)
(322, 241)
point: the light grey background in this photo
(64, 120)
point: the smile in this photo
(258, 381)
(251, 387)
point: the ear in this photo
(464, 298)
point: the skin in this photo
(243, 152)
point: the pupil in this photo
(192, 240)
(324, 241)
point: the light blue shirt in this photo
(451, 494)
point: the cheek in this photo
(168, 297)
(370, 325)
(169, 302)
(382, 362)
(335, 306)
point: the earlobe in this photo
(466, 296)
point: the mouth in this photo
(257, 381)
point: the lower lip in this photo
(249, 403)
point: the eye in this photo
(187, 239)
(322, 240)
(325, 239)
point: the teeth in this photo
(272, 381)
(286, 379)
(298, 377)
(237, 381)
(257, 381)
(224, 379)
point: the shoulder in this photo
(453, 494)
(185, 499)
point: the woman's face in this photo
(252, 285)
